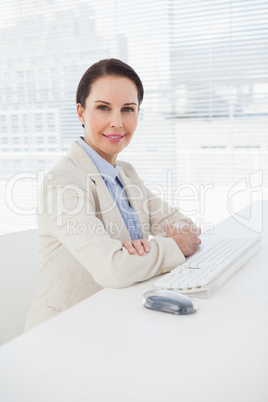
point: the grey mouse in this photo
(168, 301)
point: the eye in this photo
(102, 107)
(127, 109)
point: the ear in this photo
(80, 112)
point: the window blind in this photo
(203, 122)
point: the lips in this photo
(114, 137)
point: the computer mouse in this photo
(168, 301)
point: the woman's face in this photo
(110, 115)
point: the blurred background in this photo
(202, 138)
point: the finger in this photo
(194, 229)
(137, 245)
(146, 245)
(199, 231)
(129, 247)
(196, 234)
(187, 223)
(198, 242)
(170, 230)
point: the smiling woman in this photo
(95, 214)
(110, 115)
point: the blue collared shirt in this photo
(112, 180)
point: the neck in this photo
(109, 158)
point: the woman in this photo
(94, 212)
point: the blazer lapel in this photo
(111, 217)
(136, 194)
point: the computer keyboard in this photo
(210, 267)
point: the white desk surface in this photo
(110, 348)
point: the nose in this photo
(116, 120)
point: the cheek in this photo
(96, 122)
(132, 124)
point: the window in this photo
(51, 140)
(3, 124)
(203, 123)
(14, 123)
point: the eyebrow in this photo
(108, 103)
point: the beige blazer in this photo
(81, 232)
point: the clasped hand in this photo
(186, 238)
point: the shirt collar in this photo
(107, 171)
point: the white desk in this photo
(110, 348)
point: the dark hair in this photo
(104, 68)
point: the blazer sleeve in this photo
(161, 214)
(72, 220)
